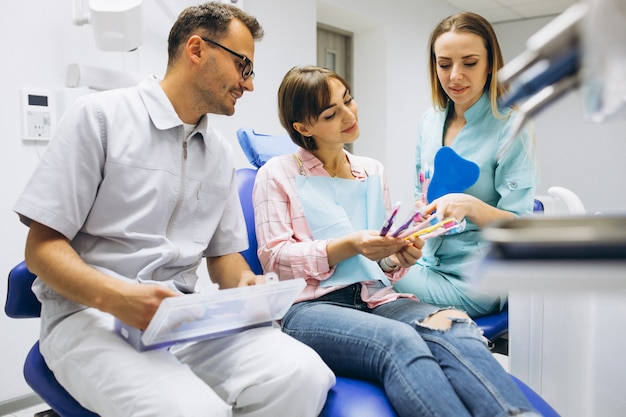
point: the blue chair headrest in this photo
(259, 148)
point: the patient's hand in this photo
(368, 243)
(375, 247)
(409, 254)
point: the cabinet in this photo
(567, 330)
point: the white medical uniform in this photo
(140, 200)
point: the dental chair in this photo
(342, 398)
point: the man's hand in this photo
(249, 278)
(229, 271)
(137, 303)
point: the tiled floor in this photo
(28, 412)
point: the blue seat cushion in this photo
(494, 325)
(357, 398)
(41, 379)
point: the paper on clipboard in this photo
(214, 314)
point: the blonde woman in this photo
(464, 61)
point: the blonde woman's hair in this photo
(467, 22)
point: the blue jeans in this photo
(425, 372)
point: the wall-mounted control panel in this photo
(38, 115)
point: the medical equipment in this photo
(561, 34)
(583, 47)
(604, 60)
(100, 79)
(117, 24)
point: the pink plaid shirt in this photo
(286, 244)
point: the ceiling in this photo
(507, 10)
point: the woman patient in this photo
(318, 216)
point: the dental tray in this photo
(552, 237)
(216, 313)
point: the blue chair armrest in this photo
(21, 301)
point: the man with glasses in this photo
(135, 188)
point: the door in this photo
(334, 51)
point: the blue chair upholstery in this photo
(259, 147)
(245, 182)
(494, 325)
(349, 397)
(355, 398)
(539, 403)
(22, 303)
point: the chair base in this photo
(47, 413)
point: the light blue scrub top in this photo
(507, 181)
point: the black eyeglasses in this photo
(247, 70)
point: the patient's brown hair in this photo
(302, 96)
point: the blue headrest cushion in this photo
(259, 148)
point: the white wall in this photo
(390, 85)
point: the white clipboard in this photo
(198, 316)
